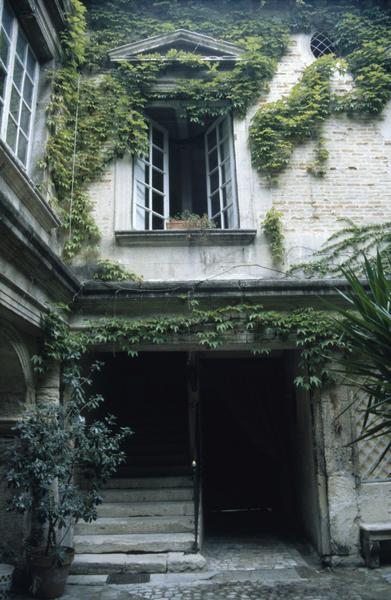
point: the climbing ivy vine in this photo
(310, 331)
(97, 111)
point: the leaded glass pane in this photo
(4, 48)
(18, 74)
(22, 148)
(15, 103)
(7, 19)
(25, 118)
(28, 90)
(21, 45)
(12, 132)
(157, 138)
(31, 62)
(3, 76)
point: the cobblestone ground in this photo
(263, 569)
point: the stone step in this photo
(97, 564)
(147, 495)
(159, 459)
(155, 471)
(148, 482)
(145, 509)
(105, 564)
(121, 525)
(138, 542)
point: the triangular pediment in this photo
(181, 39)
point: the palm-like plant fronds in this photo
(366, 328)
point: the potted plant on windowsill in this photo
(51, 441)
(189, 220)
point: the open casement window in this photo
(220, 166)
(18, 85)
(150, 192)
(188, 169)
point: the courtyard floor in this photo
(246, 569)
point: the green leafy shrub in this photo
(50, 442)
(272, 227)
(109, 270)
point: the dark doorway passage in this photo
(246, 429)
(149, 394)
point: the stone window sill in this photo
(187, 237)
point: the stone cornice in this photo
(205, 45)
(19, 182)
(21, 246)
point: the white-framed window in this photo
(219, 152)
(151, 185)
(18, 85)
(186, 170)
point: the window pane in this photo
(146, 173)
(157, 180)
(25, 118)
(215, 201)
(217, 222)
(21, 45)
(158, 203)
(4, 48)
(223, 129)
(212, 160)
(157, 158)
(225, 219)
(157, 137)
(18, 74)
(2, 82)
(22, 148)
(214, 181)
(28, 90)
(225, 171)
(31, 62)
(157, 222)
(227, 195)
(15, 103)
(224, 150)
(11, 134)
(7, 19)
(212, 141)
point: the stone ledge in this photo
(187, 237)
(18, 181)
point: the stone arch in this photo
(16, 377)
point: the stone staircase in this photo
(145, 524)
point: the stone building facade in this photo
(330, 482)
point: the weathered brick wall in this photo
(357, 185)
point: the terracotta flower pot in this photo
(48, 576)
(179, 224)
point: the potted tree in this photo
(51, 442)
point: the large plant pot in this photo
(6, 573)
(48, 577)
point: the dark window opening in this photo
(322, 44)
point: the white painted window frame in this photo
(9, 82)
(220, 162)
(138, 164)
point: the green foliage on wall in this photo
(345, 249)
(278, 126)
(97, 111)
(364, 40)
(110, 270)
(310, 331)
(272, 227)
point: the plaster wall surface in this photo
(357, 186)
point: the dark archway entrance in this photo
(247, 462)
